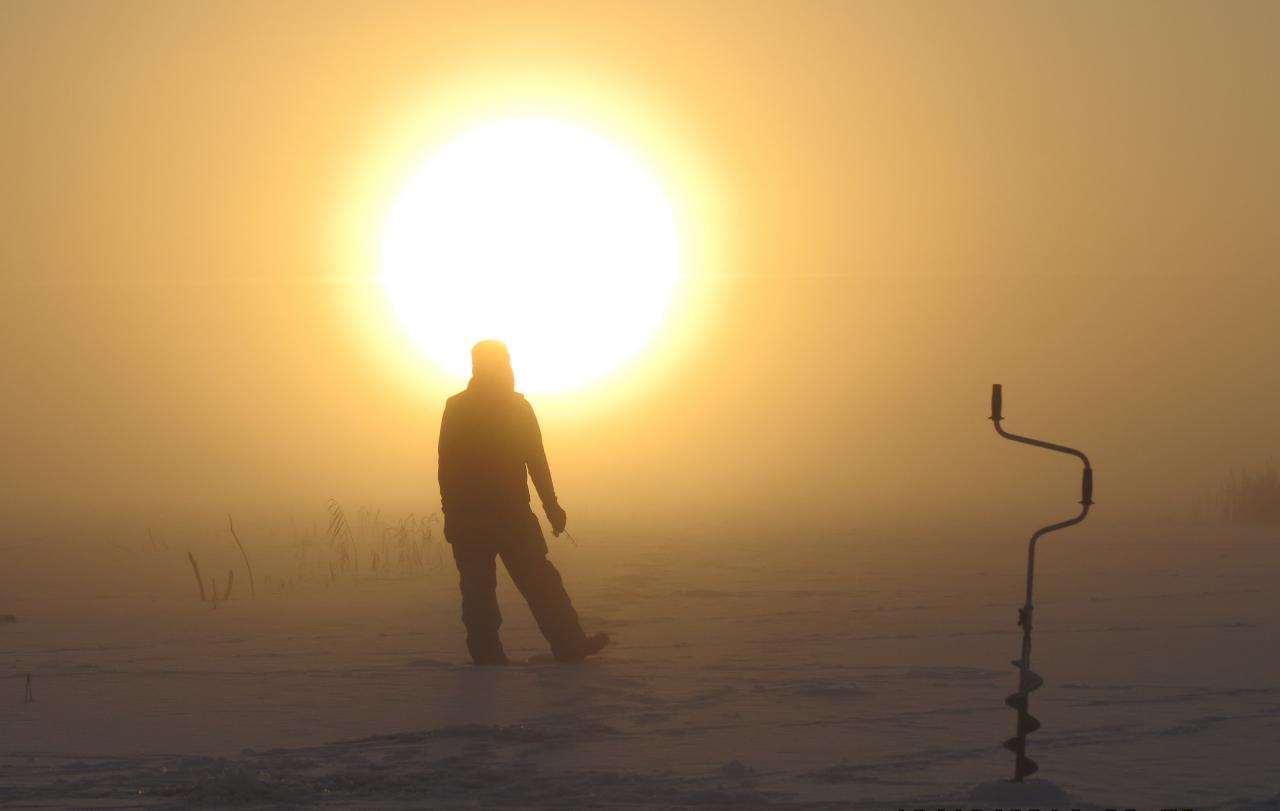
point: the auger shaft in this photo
(1028, 680)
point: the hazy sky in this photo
(1078, 200)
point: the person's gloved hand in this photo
(556, 515)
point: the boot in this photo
(588, 647)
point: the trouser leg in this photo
(477, 578)
(543, 589)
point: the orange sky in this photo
(916, 200)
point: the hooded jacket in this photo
(490, 445)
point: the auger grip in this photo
(997, 401)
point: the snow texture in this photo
(837, 673)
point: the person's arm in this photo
(540, 472)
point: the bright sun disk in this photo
(537, 233)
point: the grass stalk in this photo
(195, 567)
(253, 591)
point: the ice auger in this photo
(1028, 680)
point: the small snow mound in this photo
(1029, 793)
(1005, 791)
(736, 768)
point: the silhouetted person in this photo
(489, 439)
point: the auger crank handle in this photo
(1028, 680)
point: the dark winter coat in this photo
(490, 445)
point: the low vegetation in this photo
(1252, 497)
(350, 549)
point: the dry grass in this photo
(195, 567)
(1252, 498)
(253, 591)
(348, 548)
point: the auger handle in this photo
(997, 399)
(1029, 681)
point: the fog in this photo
(1077, 202)
(798, 546)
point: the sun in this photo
(538, 233)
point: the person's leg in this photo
(526, 560)
(477, 577)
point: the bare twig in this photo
(231, 578)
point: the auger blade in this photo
(1028, 682)
(1026, 767)
(1027, 724)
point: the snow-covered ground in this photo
(838, 672)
